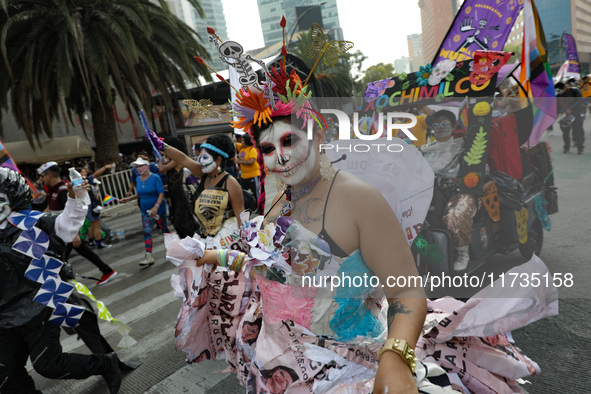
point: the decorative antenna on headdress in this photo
(211, 30)
(320, 46)
(232, 53)
(282, 23)
(201, 61)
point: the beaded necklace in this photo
(286, 209)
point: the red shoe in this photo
(107, 277)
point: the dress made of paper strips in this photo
(281, 336)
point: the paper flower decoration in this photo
(66, 315)
(25, 220)
(481, 109)
(41, 269)
(53, 292)
(471, 180)
(423, 75)
(33, 243)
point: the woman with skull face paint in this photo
(219, 195)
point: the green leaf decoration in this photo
(406, 85)
(474, 155)
(403, 77)
(439, 98)
(449, 77)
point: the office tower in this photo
(572, 17)
(271, 11)
(436, 18)
(415, 52)
(214, 17)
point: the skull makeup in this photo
(287, 152)
(442, 129)
(206, 161)
(5, 209)
(490, 200)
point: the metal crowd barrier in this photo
(115, 185)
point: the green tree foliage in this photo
(335, 81)
(62, 58)
(377, 72)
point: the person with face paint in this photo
(219, 195)
(459, 209)
(150, 192)
(25, 327)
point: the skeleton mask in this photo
(287, 152)
(231, 49)
(482, 23)
(491, 202)
(141, 169)
(5, 209)
(206, 161)
(521, 218)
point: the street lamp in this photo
(300, 18)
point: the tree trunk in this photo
(105, 133)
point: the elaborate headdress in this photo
(282, 93)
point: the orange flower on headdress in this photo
(251, 108)
(283, 82)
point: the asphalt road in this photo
(143, 299)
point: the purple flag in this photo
(571, 54)
(479, 25)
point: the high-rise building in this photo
(270, 12)
(572, 17)
(214, 17)
(436, 18)
(415, 52)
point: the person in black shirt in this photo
(573, 106)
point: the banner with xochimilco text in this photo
(479, 25)
(443, 88)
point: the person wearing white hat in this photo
(150, 191)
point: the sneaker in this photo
(107, 277)
(147, 261)
(462, 258)
(104, 246)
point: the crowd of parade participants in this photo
(241, 263)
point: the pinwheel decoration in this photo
(66, 315)
(33, 243)
(41, 269)
(25, 220)
(53, 292)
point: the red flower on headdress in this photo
(280, 79)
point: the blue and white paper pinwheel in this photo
(33, 243)
(41, 269)
(66, 315)
(53, 292)
(25, 220)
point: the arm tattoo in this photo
(395, 308)
(300, 211)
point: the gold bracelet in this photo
(400, 346)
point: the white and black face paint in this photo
(206, 161)
(287, 152)
(5, 208)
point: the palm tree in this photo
(332, 81)
(65, 57)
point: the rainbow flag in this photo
(463, 114)
(107, 199)
(536, 75)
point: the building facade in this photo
(436, 19)
(415, 51)
(214, 17)
(567, 16)
(270, 12)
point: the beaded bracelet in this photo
(222, 257)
